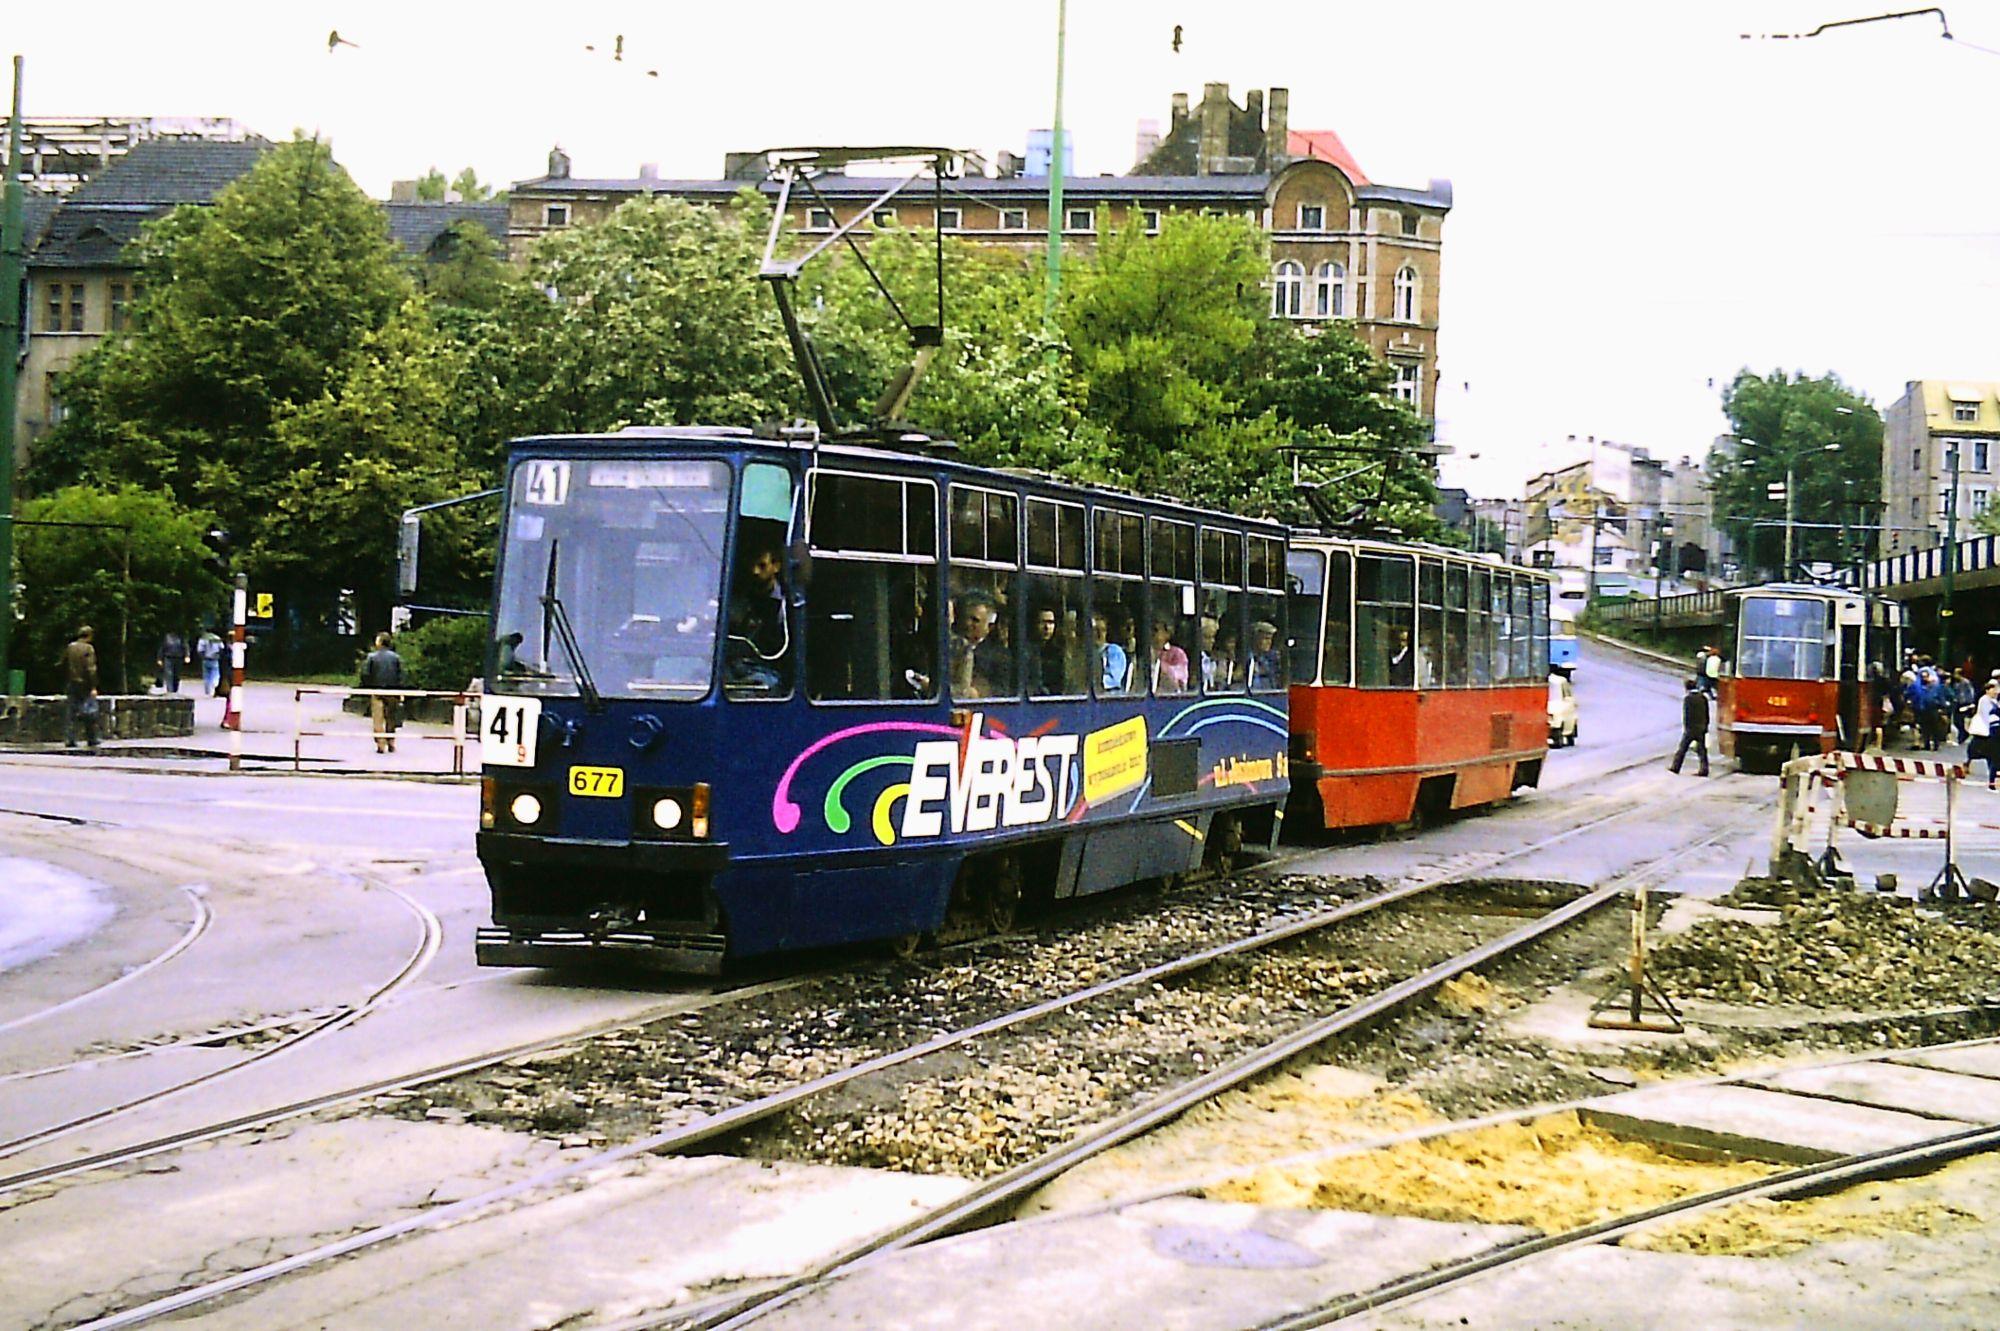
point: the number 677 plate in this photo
(597, 782)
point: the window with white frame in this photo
(1080, 219)
(1151, 217)
(1288, 289)
(950, 219)
(1410, 223)
(1980, 497)
(1013, 219)
(1406, 294)
(819, 219)
(1965, 411)
(885, 217)
(1330, 291)
(555, 214)
(1409, 383)
(1981, 456)
(1312, 217)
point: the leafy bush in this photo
(443, 653)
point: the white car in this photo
(1562, 712)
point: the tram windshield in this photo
(1782, 638)
(629, 553)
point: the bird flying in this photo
(334, 39)
(1177, 39)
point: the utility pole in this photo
(1950, 562)
(1056, 167)
(12, 243)
(1791, 488)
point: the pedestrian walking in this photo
(383, 669)
(1711, 673)
(173, 655)
(79, 666)
(1985, 743)
(208, 650)
(1694, 728)
(1700, 673)
(1964, 698)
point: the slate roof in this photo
(87, 236)
(170, 171)
(415, 227)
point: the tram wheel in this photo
(1001, 894)
(904, 946)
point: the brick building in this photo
(1934, 430)
(1343, 248)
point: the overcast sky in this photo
(1645, 202)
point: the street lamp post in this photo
(1950, 560)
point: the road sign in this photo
(267, 606)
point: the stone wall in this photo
(39, 719)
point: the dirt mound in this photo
(1838, 950)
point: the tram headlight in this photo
(698, 822)
(525, 809)
(667, 813)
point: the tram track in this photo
(431, 938)
(1000, 1190)
(203, 917)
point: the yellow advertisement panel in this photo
(1114, 759)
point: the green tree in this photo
(1822, 435)
(252, 305)
(431, 186)
(653, 316)
(373, 444)
(1156, 325)
(76, 575)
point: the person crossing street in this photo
(1694, 727)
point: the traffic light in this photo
(216, 561)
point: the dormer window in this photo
(1312, 217)
(1966, 412)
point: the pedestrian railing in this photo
(461, 705)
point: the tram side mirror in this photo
(799, 555)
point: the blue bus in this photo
(748, 695)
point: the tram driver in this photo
(759, 639)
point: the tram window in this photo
(1221, 601)
(1117, 613)
(1384, 606)
(1305, 612)
(872, 617)
(1265, 660)
(1539, 609)
(1479, 640)
(1055, 535)
(982, 525)
(1457, 625)
(1173, 550)
(1221, 557)
(980, 656)
(1173, 638)
(1056, 652)
(1121, 543)
(757, 649)
(1521, 647)
(1783, 639)
(1430, 623)
(1500, 604)
(1337, 657)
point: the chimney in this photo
(1010, 164)
(1148, 141)
(558, 163)
(1253, 109)
(402, 191)
(649, 172)
(1180, 112)
(1215, 109)
(1277, 130)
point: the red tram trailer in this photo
(1803, 670)
(1419, 680)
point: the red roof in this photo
(1327, 147)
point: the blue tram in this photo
(748, 695)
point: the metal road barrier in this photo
(1865, 786)
(461, 703)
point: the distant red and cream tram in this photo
(1797, 670)
(1419, 680)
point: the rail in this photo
(461, 704)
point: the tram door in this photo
(1849, 668)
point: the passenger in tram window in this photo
(759, 642)
(1228, 672)
(981, 663)
(1262, 667)
(1402, 666)
(1113, 665)
(1170, 663)
(1213, 668)
(1049, 655)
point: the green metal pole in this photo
(12, 243)
(1950, 562)
(1056, 168)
